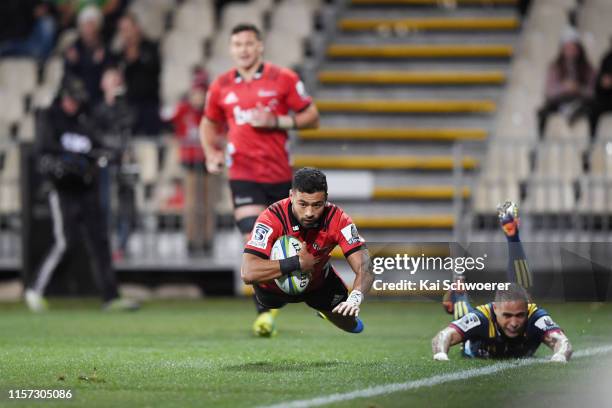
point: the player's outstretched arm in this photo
(210, 139)
(361, 264)
(560, 344)
(443, 341)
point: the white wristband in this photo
(286, 122)
(558, 358)
(441, 356)
(355, 297)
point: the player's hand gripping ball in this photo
(297, 281)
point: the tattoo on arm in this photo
(367, 269)
(559, 343)
(443, 340)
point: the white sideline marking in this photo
(430, 381)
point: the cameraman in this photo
(71, 156)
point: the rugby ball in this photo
(297, 281)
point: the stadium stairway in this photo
(400, 85)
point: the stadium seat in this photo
(218, 64)
(604, 128)
(182, 49)
(600, 159)
(146, 153)
(293, 17)
(151, 16)
(595, 195)
(284, 48)
(43, 96)
(196, 19)
(18, 76)
(12, 106)
(507, 159)
(53, 72)
(175, 82)
(558, 129)
(27, 128)
(490, 192)
(559, 161)
(235, 13)
(550, 196)
(10, 198)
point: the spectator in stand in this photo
(569, 82)
(602, 100)
(27, 28)
(111, 9)
(199, 218)
(113, 118)
(140, 60)
(88, 56)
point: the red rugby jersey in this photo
(258, 155)
(335, 228)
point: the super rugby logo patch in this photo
(260, 235)
(467, 322)
(545, 323)
(350, 234)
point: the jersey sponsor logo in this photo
(545, 323)
(76, 143)
(230, 98)
(259, 237)
(265, 93)
(350, 234)
(468, 322)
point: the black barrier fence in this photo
(568, 271)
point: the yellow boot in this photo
(264, 325)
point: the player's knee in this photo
(246, 224)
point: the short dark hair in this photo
(246, 27)
(514, 292)
(309, 180)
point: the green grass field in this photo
(202, 353)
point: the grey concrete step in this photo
(415, 65)
(351, 92)
(421, 120)
(426, 38)
(426, 12)
(390, 208)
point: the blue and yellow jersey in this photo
(483, 338)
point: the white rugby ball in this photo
(297, 281)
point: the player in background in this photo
(511, 326)
(319, 225)
(249, 110)
(518, 269)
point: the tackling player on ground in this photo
(319, 226)
(251, 107)
(509, 327)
